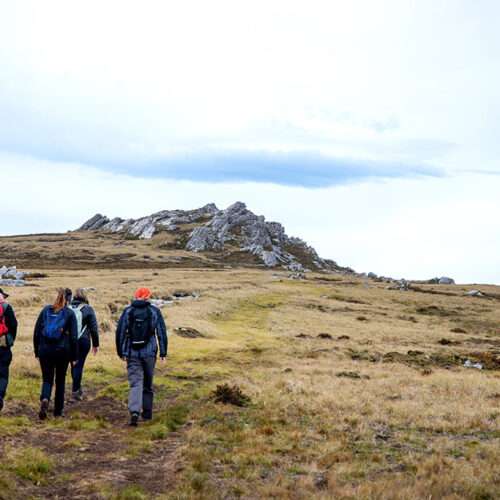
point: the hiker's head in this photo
(81, 296)
(63, 297)
(142, 294)
(3, 295)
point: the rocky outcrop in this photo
(234, 231)
(146, 227)
(239, 227)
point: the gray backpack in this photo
(79, 319)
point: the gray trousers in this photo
(140, 378)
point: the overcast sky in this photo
(369, 128)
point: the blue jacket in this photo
(67, 346)
(160, 338)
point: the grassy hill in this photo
(355, 391)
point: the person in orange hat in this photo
(140, 334)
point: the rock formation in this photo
(233, 231)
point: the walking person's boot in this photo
(134, 419)
(44, 408)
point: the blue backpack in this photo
(54, 324)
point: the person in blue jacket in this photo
(55, 341)
(140, 334)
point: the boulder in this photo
(444, 280)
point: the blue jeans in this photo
(54, 365)
(77, 370)
(5, 360)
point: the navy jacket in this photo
(160, 338)
(89, 320)
(10, 323)
(67, 346)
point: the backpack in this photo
(54, 324)
(3, 326)
(79, 319)
(140, 328)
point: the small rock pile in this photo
(10, 276)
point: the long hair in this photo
(63, 297)
(81, 295)
(60, 301)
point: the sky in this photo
(368, 128)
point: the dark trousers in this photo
(77, 369)
(5, 360)
(54, 365)
(140, 377)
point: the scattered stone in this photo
(426, 371)
(189, 333)
(303, 336)
(401, 285)
(475, 293)
(230, 395)
(287, 370)
(296, 276)
(469, 364)
(458, 330)
(362, 318)
(12, 282)
(160, 303)
(343, 337)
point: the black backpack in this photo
(140, 326)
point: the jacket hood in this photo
(140, 303)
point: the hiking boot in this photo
(147, 415)
(78, 395)
(59, 414)
(1, 404)
(134, 419)
(44, 407)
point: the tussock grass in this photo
(416, 425)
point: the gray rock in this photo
(12, 282)
(235, 229)
(474, 293)
(146, 227)
(372, 275)
(444, 280)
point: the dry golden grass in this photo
(413, 425)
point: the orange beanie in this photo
(142, 294)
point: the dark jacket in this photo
(66, 346)
(10, 323)
(89, 320)
(123, 348)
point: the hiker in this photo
(87, 329)
(55, 340)
(8, 332)
(139, 327)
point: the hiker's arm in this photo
(11, 321)
(36, 333)
(161, 332)
(73, 335)
(120, 330)
(93, 327)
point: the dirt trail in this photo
(90, 463)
